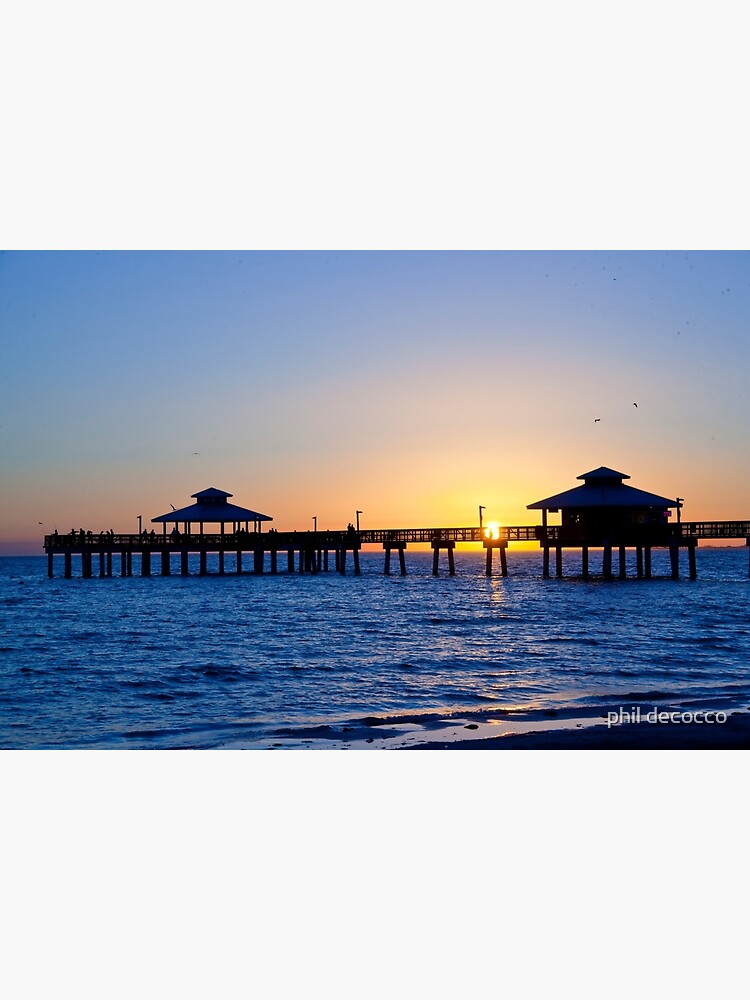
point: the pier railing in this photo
(249, 540)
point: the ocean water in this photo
(293, 660)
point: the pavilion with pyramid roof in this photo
(212, 507)
(605, 512)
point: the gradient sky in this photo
(411, 385)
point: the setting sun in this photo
(492, 530)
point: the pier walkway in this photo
(313, 551)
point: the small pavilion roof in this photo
(602, 487)
(212, 507)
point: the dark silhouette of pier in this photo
(603, 513)
(321, 551)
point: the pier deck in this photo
(308, 551)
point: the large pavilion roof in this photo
(603, 487)
(212, 507)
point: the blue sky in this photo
(411, 385)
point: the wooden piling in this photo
(68, 566)
(585, 562)
(258, 559)
(639, 562)
(123, 564)
(342, 562)
(102, 569)
(623, 564)
(558, 561)
(50, 565)
(274, 561)
(607, 562)
(109, 563)
(184, 569)
(674, 558)
(692, 568)
(402, 559)
(647, 561)
(290, 560)
(503, 560)
(166, 569)
(387, 560)
(221, 562)
(145, 562)
(355, 556)
(488, 566)
(545, 561)
(203, 571)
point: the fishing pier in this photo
(603, 514)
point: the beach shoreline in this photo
(691, 727)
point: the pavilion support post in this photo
(123, 564)
(355, 556)
(585, 562)
(623, 565)
(545, 561)
(274, 561)
(50, 565)
(184, 562)
(102, 568)
(488, 562)
(290, 560)
(166, 569)
(145, 563)
(693, 570)
(68, 566)
(203, 565)
(639, 562)
(109, 563)
(387, 560)
(607, 562)
(647, 561)
(674, 559)
(558, 561)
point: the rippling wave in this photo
(206, 661)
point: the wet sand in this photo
(734, 734)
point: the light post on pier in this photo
(357, 513)
(140, 524)
(315, 523)
(481, 508)
(680, 501)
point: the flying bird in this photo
(196, 453)
(597, 420)
(173, 506)
(635, 405)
